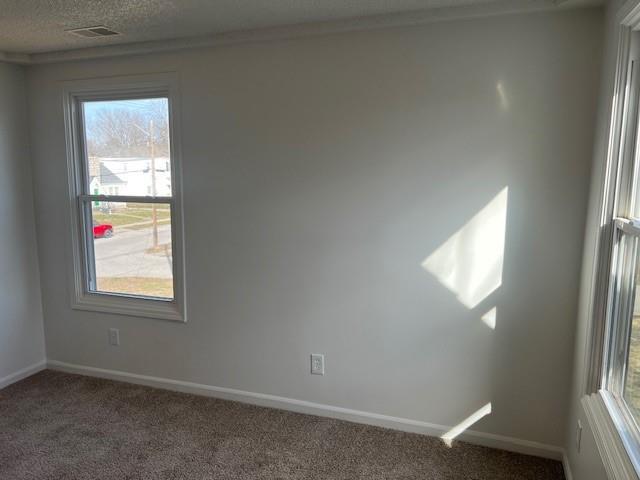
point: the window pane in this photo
(132, 248)
(128, 147)
(632, 377)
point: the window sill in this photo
(612, 436)
(134, 307)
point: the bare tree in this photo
(119, 131)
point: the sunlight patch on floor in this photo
(450, 436)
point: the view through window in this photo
(127, 205)
(632, 380)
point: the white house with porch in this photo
(130, 176)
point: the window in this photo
(125, 199)
(616, 344)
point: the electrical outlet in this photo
(578, 435)
(114, 336)
(317, 364)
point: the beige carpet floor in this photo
(59, 426)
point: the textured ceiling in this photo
(35, 26)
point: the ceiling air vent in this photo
(91, 32)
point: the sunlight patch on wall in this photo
(470, 262)
(489, 318)
(450, 436)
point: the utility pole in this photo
(154, 212)
(152, 154)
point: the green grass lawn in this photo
(151, 287)
(141, 226)
(133, 217)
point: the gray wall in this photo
(21, 332)
(586, 464)
(319, 174)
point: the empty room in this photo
(320, 239)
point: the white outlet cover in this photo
(579, 435)
(114, 336)
(317, 364)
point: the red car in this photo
(102, 230)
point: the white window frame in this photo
(119, 88)
(615, 430)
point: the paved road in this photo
(125, 254)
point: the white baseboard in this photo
(23, 373)
(403, 424)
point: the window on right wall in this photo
(619, 275)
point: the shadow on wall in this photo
(469, 264)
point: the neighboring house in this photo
(107, 182)
(130, 176)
